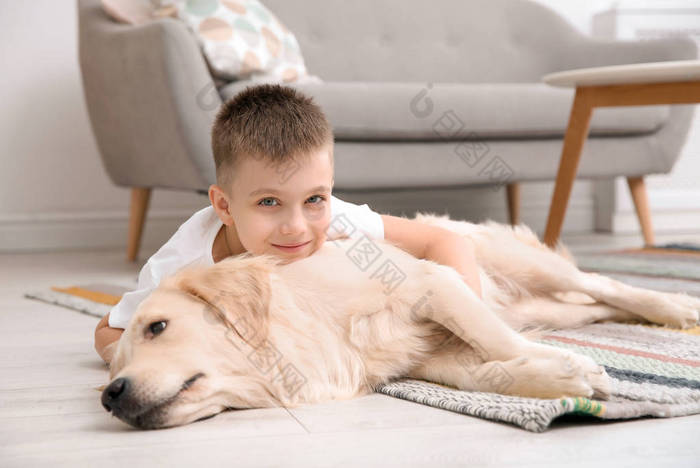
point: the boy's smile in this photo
(278, 210)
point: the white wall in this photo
(577, 12)
(54, 192)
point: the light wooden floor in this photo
(50, 413)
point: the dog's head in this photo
(188, 351)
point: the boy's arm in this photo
(183, 247)
(436, 244)
(106, 339)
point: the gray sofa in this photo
(420, 94)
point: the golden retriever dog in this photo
(251, 332)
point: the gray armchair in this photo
(420, 94)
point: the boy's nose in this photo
(293, 225)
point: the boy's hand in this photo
(436, 244)
(108, 352)
(106, 339)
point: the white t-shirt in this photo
(192, 244)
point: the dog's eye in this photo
(157, 327)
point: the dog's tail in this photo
(536, 333)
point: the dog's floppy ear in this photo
(236, 289)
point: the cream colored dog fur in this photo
(250, 333)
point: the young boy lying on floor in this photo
(273, 149)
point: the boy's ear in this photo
(237, 290)
(220, 202)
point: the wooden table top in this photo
(652, 72)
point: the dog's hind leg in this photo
(674, 309)
(538, 377)
(551, 313)
(455, 306)
(543, 272)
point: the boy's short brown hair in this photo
(275, 123)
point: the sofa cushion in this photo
(242, 39)
(458, 111)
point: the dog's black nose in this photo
(114, 391)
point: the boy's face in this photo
(283, 211)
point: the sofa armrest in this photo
(595, 52)
(151, 100)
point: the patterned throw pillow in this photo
(242, 39)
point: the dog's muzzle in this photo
(119, 398)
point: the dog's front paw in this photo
(564, 373)
(581, 376)
(681, 310)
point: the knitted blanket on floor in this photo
(655, 371)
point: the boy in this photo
(273, 149)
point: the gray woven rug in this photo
(655, 372)
(94, 299)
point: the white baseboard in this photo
(39, 232)
(673, 210)
(662, 222)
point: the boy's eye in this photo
(264, 200)
(315, 199)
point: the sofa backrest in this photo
(419, 40)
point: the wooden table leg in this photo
(139, 206)
(576, 133)
(641, 204)
(513, 191)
